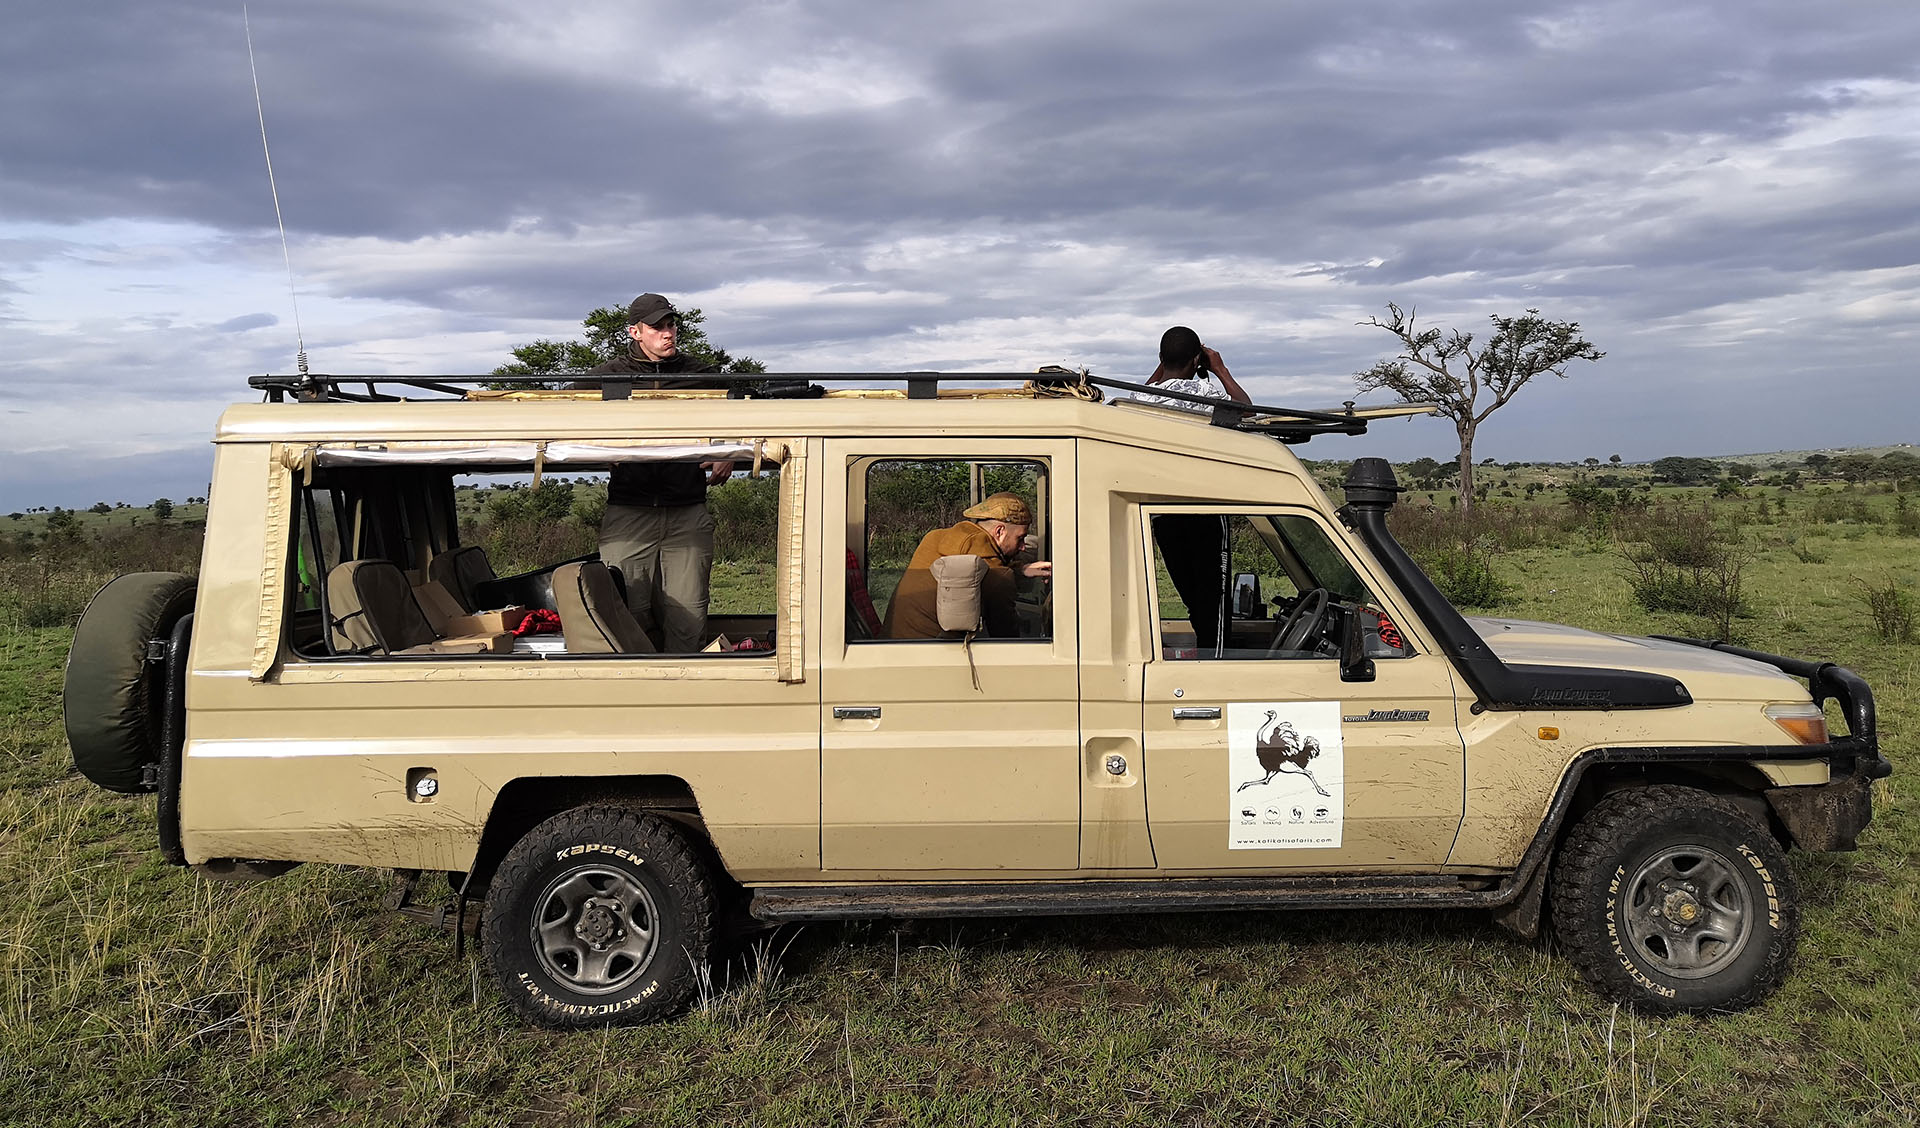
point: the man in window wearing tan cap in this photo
(657, 530)
(994, 530)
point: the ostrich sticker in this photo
(1285, 759)
(1281, 748)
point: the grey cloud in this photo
(1488, 155)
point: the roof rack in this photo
(1287, 424)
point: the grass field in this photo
(135, 993)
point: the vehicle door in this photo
(942, 754)
(1258, 754)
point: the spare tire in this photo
(112, 693)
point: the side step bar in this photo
(1071, 898)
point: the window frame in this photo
(441, 521)
(862, 467)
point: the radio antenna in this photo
(299, 337)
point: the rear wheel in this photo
(1672, 899)
(599, 916)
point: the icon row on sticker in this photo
(1249, 815)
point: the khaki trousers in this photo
(665, 555)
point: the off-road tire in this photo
(111, 696)
(629, 915)
(1643, 863)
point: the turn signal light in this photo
(1805, 722)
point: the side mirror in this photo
(1247, 603)
(1355, 666)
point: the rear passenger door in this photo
(921, 770)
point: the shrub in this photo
(1466, 577)
(1906, 519)
(1891, 607)
(1680, 558)
(746, 518)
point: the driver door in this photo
(1262, 758)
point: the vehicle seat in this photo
(461, 571)
(373, 611)
(593, 614)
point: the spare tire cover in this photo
(112, 693)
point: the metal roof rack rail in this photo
(1287, 424)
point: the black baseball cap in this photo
(650, 309)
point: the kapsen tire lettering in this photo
(599, 916)
(1673, 899)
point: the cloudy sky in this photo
(1725, 195)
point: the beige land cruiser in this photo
(344, 683)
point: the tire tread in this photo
(666, 850)
(1586, 856)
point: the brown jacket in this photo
(911, 614)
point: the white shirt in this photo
(1193, 385)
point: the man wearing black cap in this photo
(1193, 547)
(657, 530)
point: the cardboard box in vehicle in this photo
(450, 620)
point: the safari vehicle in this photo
(1347, 738)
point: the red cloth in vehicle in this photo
(539, 621)
(1390, 634)
(857, 595)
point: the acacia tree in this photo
(607, 338)
(1449, 371)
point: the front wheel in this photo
(599, 916)
(1672, 899)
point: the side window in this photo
(1254, 587)
(596, 560)
(914, 511)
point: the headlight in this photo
(1805, 722)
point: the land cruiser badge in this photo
(1286, 775)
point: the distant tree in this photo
(606, 339)
(100, 507)
(119, 505)
(61, 521)
(1682, 471)
(1856, 467)
(1423, 468)
(1816, 462)
(15, 516)
(1614, 458)
(1591, 461)
(1449, 371)
(162, 508)
(550, 501)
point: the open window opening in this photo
(1240, 587)
(904, 513)
(490, 552)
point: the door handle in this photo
(865, 712)
(1196, 712)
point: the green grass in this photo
(135, 993)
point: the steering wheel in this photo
(1306, 620)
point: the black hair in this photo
(1178, 346)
